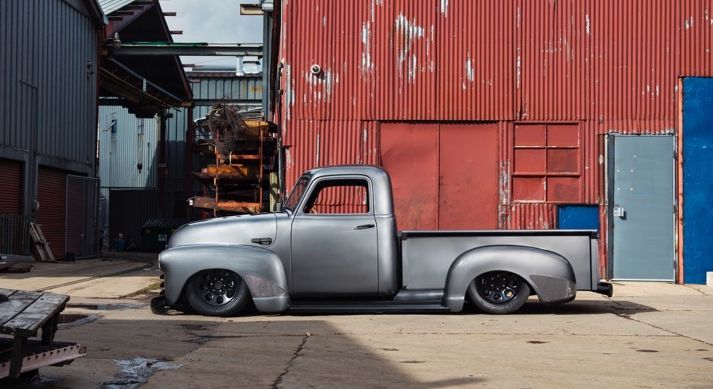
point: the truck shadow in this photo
(586, 307)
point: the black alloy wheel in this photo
(498, 292)
(217, 292)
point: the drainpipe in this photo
(162, 171)
(190, 136)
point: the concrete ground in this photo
(648, 335)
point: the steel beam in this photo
(185, 49)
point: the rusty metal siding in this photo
(335, 92)
(528, 216)
(323, 143)
(696, 27)
(633, 86)
(48, 79)
(549, 59)
(608, 65)
(474, 68)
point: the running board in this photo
(367, 308)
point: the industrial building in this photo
(58, 65)
(514, 115)
(47, 147)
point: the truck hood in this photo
(244, 229)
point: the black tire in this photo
(217, 293)
(498, 292)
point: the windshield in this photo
(297, 193)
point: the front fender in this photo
(549, 274)
(261, 269)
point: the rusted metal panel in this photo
(549, 59)
(695, 23)
(468, 181)
(413, 167)
(406, 59)
(51, 194)
(474, 64)
(401, 53)
(633, 64)
(527, 216)
(315, 143)
(11, 194)
(322, 79)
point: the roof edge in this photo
(96, 12)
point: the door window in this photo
(338, 197)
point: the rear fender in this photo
(261, 269)
(549, 274)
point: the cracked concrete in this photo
(295, 355)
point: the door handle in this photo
(364, 227)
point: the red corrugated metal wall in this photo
(590, 67)
(51, 193)
(11, 192)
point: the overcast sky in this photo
(213, 21)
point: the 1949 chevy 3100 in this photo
(309, 258)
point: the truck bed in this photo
(427, 255)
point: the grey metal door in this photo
(641, 207)
(334, 237)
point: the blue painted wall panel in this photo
(697, 179)
(578, 217)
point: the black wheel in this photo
(498, 292)
(217, 293)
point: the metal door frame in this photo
(609, 152)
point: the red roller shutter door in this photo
(11, 186)
(51, 214)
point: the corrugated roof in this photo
(109, 6)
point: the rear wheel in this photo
(217, 293)
(498, 292)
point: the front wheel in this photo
(498, 292)
(217, 293)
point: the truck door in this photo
(334, 240)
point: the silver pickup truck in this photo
(310, 258)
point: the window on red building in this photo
(547, 163)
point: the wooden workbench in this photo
(22, 315)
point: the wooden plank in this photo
(18, 302)
(33, 317)
(38, 242)
(45, 245)
(43, 248)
